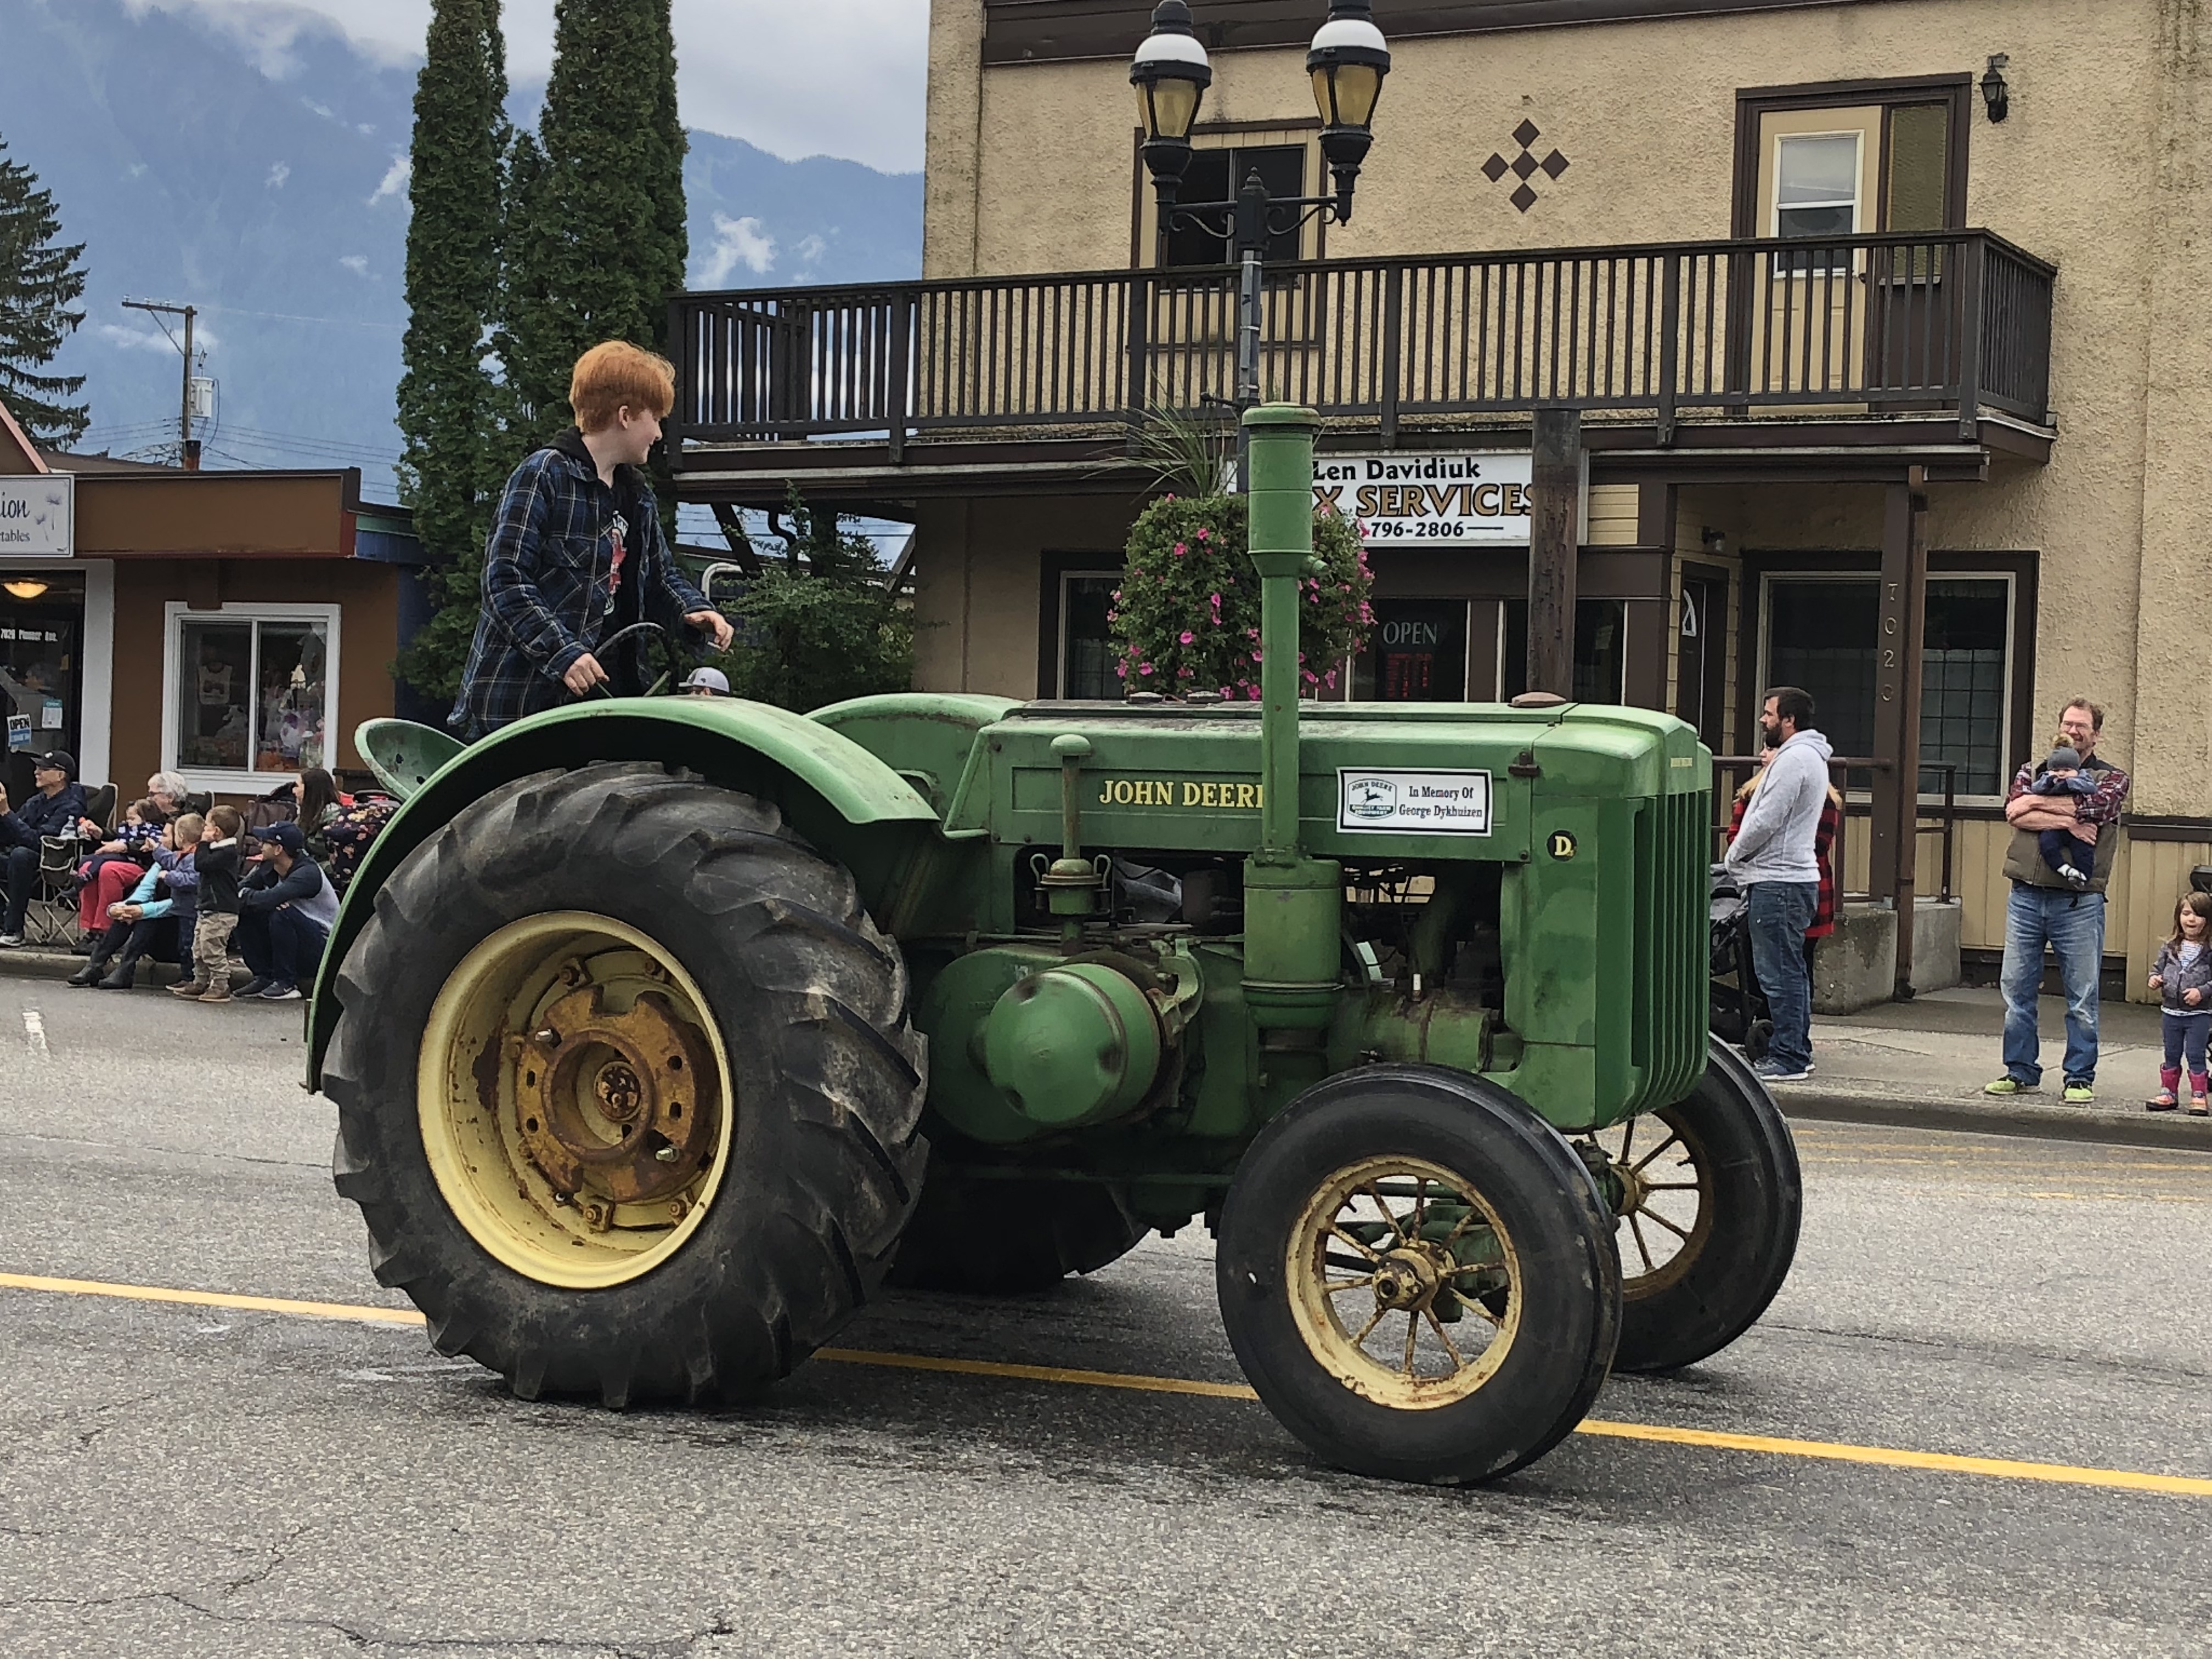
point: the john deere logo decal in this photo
(1563, 844)
(1371, 798)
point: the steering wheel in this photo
(607, 649)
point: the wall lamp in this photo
(25, 589)
(1997, 96)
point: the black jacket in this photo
(219, 869)
(43, 815)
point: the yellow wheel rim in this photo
(575, 1099)
(1664, 1210)
(1403, 1284)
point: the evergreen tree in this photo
(606, 243)
(39, 284)
(447, 401)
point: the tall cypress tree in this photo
(39, 283)
(606, 241)
(445, 396)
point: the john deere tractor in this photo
(663, 1032)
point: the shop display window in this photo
(251, 692)
(1416, 653)
(1821, 635)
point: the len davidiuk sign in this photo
(1406, 499)
(36, 516)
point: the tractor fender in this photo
(839, 797)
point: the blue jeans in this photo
(2073, 926)
(281, 946)
(1778, 912)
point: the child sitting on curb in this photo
(137, 920)
(2182, 976)
(220, 867)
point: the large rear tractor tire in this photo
(985, 1237)
(627, 1091)
(1417, 1275)
(1709, 1201)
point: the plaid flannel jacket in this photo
(548, 566)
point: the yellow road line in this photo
(1711, 1439)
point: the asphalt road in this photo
(179, 1480)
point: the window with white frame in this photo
(1816, 193)
(250, 690)
(1821, 632)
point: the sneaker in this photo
(1771, 1070)
(2007, 1085)
(2074, 877)
(9, 941)
(2080, 1094)
(282, 990)
(189, 988)
(255, 986)
(220, 993)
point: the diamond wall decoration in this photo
(1524, 165)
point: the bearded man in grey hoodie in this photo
(1772, 860)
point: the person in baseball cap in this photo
(285, 910)
(707, 682)
(53, 809)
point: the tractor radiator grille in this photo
(1668, 1043)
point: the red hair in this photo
(615, 374)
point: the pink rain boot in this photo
(2169, 1086)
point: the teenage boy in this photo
(221, 871)
(285, 910)
(576, 555)
(53, 810)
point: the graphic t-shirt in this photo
(619, 529)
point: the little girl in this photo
(2183, 977)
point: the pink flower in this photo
(1255, 656)
(1144, 668)
(1251, 693)
(1204, 534)
(1329, 679)
(1181, 548)
(1185, 674)
(1227, 692)
(1188, 637)
(1120, 670)
(1311, 679)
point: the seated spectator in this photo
(115, 865)
(349, 834)
(285, 910)
(320, 801)
(54, 809)
(159, 910)
(175, 797)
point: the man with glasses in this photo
(2046, 909)
(53, 810)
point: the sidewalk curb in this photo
(2168, 1130)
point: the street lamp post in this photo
(1347, 62)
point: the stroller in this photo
(1739, 1011)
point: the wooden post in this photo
(1554, 524)
(1894, 835)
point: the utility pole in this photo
(188, 452)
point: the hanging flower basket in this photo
(1186, 616)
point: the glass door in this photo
(42, 670)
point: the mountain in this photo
(268, 188)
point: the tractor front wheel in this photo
(627, 1092)
(1709, 1199)
(1418, 1277)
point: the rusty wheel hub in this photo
(609, 1104)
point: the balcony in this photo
(1929, 342)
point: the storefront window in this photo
(1600, 649)
(1417, 652)
(1821, 635)
(41, 622)
(250, 694)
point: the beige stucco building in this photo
(1837, 332)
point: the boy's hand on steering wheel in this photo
(584, 673)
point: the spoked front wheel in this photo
(1709, 1199)
(1415, 1274)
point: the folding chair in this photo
(51, 916)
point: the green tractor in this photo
(663, 1032)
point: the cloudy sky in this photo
(756, 69)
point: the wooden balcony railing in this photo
(1954, 323)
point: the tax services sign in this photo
(1472, 498)
(38, 516)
